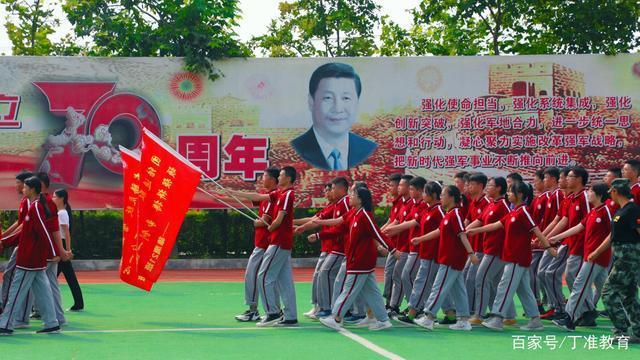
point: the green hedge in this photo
(205, 234)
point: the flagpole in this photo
(231, 206)
(229, 193)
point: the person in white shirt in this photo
(61, 199)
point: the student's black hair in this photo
(635, 164)
(44, 177)
(552, 171)
(601, 190)
(359, 184)
(35, 183)
(523, 190)
(461, 175)
(617, 172)
(64, 195)
(454, 192)
(24, 175)
(341, 181)
(273, 172)
(479, 178)
(334, 70)
(290, 172)
(328, 185)
(502, 183)
(539, 174)
(433, 189)
(395, 177)
(407, 178)
(418, 182)
(364, 195)
(565, 170)
(582, 173)
(514, 176)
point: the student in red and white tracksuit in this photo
(491, 266)
(35, 246)
(597, 255)
(537, 210)
(430, 220)
(365, 241)
(516, 254)
(453, 251)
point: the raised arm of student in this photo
(554, 239)
(486, 228)
(435, 234)
(396, 229)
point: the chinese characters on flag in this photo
(162, 189)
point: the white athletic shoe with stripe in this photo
(366, 322)
(424, 322)
(461, 325)
(311, 314)
(330, 322)
(380, 325)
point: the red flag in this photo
(130, 213)
(167, 184)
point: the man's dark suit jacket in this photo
(308, 148)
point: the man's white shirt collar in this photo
(328, 148)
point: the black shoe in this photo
(448, 320)
(404, 319)
(248, 316)
(35, 315)
(6, 332)
(541, 309)
(405, 311)
(270, 320)
(565, 323)
(604, 314)
(558, 315)
(393, 311)
(286, 323)
(76, 308)
(588, 319)
(51, 330)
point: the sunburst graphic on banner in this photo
(185, 86)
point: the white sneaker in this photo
(534, 325)
(424, 322)
(310, 313)
(461, 325)
(366, 322)
(494, 323)
(380, 325)
(331, 322)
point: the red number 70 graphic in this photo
(90, 108)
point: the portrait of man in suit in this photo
(334, 93)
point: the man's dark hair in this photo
(539, 174)
(552, 171)
(565, 170)
(341, 181)
(601, 190)
(290, 172)
(635, 164)
(461, 175)
(44, 177)
(479, 178)
(418, 182)
(501, 183)
(582, 173)
(617, 172)
(514, 176)
(334, 70)
(273, 172)
(24, 176)
(407, 177)
(395, 177)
